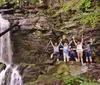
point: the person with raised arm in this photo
(88, 52)
(55, 49)
(79, 49)
(72, 54)
(65, 51)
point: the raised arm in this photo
(60, 42)
(74, 41)
(69, 43)
(82, 40)
(51, 43)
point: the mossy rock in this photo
(29, 83)
(63, 70)
(47, 80)
(59, 70)
(2, 66)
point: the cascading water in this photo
(15, 77)
(6, 57)
(5, 47)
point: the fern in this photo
(91, 18)
(83, 4)
(87, 14)
(78, 80)
(76, 5)
(67, 6)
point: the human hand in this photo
(60, 40)
(82, 36)
(73, 37)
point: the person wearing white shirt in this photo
(79, 49)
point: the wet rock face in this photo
(28, 49)
(29, 72)
(30, 41)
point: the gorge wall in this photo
(31, 38)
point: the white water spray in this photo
(2, 75)
(15, 77)
(5, 47)
(6, 56)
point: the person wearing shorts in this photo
(88, 53)
(79, 49)
(72, 54)
(55, 50)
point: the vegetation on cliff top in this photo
(87, 11)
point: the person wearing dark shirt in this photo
(72, 54)
(88, 52)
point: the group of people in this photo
(68, 52)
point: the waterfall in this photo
(6, 57)
(5, 47)
(15, 77)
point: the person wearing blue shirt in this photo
(65, 51)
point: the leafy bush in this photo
(83, 4)
(86, 14)
(91, 18)
(78, 80)
(74, 80)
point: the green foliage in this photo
(83, 4)
(2, 1)
(74, 80)
(91, 18)
(33, 1)
(1, 65)
(66, 7)
(78, 80)
(86, 14)
(62, 71)
(76, 5)
(86, 83)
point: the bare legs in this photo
(80, 56)
(90, 58)
(57, 54)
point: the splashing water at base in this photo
(6, 57)
(15, 77)
(2, 75)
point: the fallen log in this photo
(10, 28)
